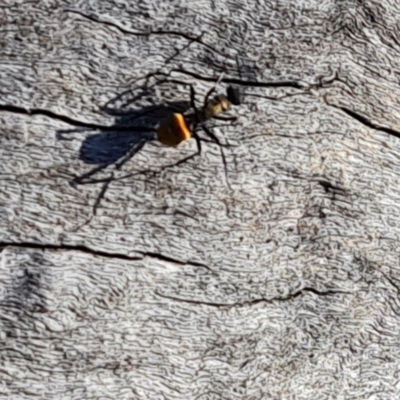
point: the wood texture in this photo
(125, 275)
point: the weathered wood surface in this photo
(277, 281)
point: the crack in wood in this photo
(69, 120)
(257, 301)
(241, 82)
(88, 250)
(147, 33)
(363, 120)
(67, 247)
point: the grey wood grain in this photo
(125, 274)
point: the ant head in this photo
(234, 96)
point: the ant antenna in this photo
(219, 79)
(212, 90)
(238, 67)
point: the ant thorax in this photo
(218, 105)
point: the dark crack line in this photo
(88, 250)
(256, 301)
(196, 302)
(240, 82)
(70, 121)
(316, 292)
(79, 248)
(260, 96)
(162, 257)
(180, 50)
(363, 120)
(144, 34)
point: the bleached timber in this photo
(279, 280)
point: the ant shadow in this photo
(132, 129)
(113, 146)
(109, 148)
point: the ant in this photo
(180, 127)
(177, 128)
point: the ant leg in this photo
(118, 166)
(193, 100)
(212, 135)
(212, 90)
(216, 140)
(85, 178)
(135, 149)
(101, 194)
(198, 152)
